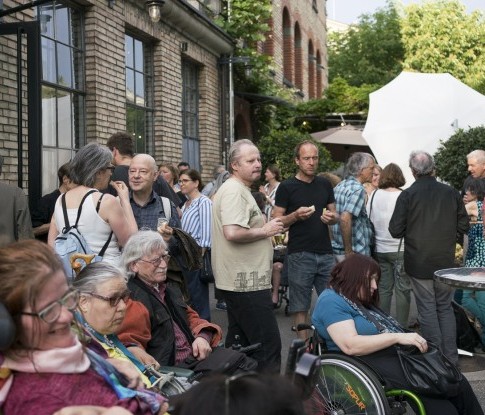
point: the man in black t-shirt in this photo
(306, 205)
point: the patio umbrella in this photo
(415, 111)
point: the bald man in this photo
(476, 164)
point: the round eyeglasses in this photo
(51, 313)
(156, 262)
(113, 300)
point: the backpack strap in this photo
(67, 226)
(79, 210)
(167, 207)
(106, 244)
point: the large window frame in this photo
(139, 92)
(190, 113)
(63, 87)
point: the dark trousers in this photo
(251, 317)
(386, 363)
(199, 294)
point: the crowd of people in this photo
(144, 305)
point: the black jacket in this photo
(162, 343)
(429, 215)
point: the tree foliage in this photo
(450, 158)
(370, 52)
(277, 148)
(440, 36)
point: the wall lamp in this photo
(154, 9)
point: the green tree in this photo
(450, 158)
(370, 52)
(439, 36)
(277, 148)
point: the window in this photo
(190, 114)
(139, 99)
(63, 126)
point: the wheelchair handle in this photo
(304, 326)
(250, 348)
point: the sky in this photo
(348, 11)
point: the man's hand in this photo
(273, 227)
(166, 232)
(201, 348)
(329, 218)
(304, 212)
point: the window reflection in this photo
(49, 72)
(64, 76)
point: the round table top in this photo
(470, 278)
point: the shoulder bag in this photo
(206, 274)
(373, 243)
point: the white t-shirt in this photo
(382, 209)
(239, 266)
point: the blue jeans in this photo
(305, 271)
(250, 316)
(436, 316)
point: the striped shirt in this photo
(197, 220)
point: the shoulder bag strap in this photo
(372, 201)
(106, 244)
(167, 207)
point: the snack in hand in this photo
(312, 207)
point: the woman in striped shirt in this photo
(197, 221)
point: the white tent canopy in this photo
(415, 111)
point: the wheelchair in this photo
(337, 384)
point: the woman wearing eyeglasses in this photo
(104, 219)
(103, 295)
(159, 320)
(197, 221)
(46, 368)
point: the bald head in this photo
(142, 173)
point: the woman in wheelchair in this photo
(339, 320)
(46, 368)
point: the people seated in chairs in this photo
(46, 368)
(103, 295)
(159, 320)
(341, 319)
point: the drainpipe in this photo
(231, 87)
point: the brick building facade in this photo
(106, 67)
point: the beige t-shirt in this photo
(239, 266)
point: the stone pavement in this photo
(472, 367)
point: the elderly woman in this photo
(103, 295)
(160, 321)
(46, 368)
(104, 219)
(346, 317)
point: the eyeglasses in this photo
(181, 181)
(110, 167)
(156, 262)
(227, 387)
(51, 313)
(113, 300)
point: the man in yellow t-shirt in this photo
(242, 258)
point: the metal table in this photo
(467, 278)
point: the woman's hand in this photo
(144, 357)
(122, 189)
(130, 371)
(201, 348)
(413, 339)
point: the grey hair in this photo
(235, 151)
(95, 274)
(478, 155)
(421, 163)
(149, 158)
(218, 169)
(88, 161)
(140, 244)
(357, 162)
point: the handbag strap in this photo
(106, 244)
(399, 247)
(372, 201)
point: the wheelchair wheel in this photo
(344, 387)
(171, 385)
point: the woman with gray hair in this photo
(159, 320)
(104, 219)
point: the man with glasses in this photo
(353, 233)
